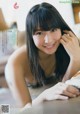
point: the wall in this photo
(19, 14)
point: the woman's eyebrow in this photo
(38, 30)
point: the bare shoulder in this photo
(19, 56)
(79, 41)
(18, 61)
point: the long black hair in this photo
(45, 16)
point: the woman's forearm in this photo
(39, 99)
(72, 69)
(59, 91)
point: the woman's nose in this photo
(47, 39)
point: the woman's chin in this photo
(50, 51)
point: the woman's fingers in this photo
(69, 94)
(71, 45)
(67, 90)
(73, 90)
(61, 91)
(65, 41)
(66, 38)
(61, 97)
(70, 33)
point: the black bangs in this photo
(44, 19)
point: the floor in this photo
(5, 93)
(3, 83)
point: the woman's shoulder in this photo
(79, 41)
(19, 56)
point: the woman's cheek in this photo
(58, 37)
(38, 42)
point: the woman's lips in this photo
(49, 46)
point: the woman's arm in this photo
(72, 47)
(72, 69)
(16, 81)
(14, 74)
(59, 91)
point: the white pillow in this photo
(75, 80)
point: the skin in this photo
(18, 70)
(47, 41)
(72, 47)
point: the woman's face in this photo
(47, 41)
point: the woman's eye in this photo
(38, 33)
(53, 30)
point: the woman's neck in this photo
(44, 56)
(47, 62)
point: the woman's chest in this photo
(48, 66)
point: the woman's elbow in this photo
(9, 71)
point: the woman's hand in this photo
(61, 91)
(71, 44)
(72, 47)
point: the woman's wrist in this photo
(75, 59)
(73, 68)
(75, 63)
(40, 99)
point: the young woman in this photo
(51, 55)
